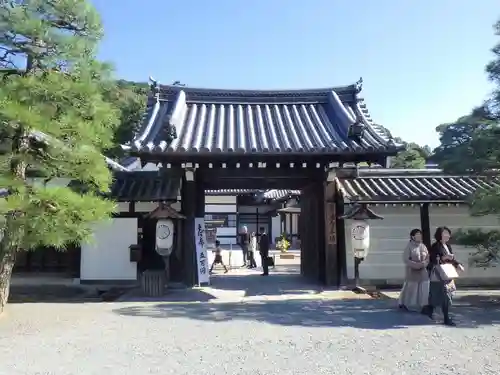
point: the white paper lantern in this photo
(360, 238)
(164, 236)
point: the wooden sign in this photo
(331, 224)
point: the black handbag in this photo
(270, 261)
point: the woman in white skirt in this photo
(415, 293)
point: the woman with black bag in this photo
(442, 286)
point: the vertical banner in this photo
(201, 250)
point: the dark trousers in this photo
(244, 248)
(251, 259)
(265, 263)
(445, 309)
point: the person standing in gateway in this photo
(264, 250)
(244, 243)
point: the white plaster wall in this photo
(295, 222)
(455, 217)
(220, 199)
(388, 239)
(224, 208)
(224, 231)
(275, 227)
(107, 257)
(122, 206)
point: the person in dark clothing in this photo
(244, 243)
(264, 250)
(441, 291)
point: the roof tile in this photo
(144, 187)
(249, 122)
(429, 186)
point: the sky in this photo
(422, 61)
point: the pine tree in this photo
(52, 120)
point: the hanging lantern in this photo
(164, 236)
(360, 238)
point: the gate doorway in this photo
(257, 139)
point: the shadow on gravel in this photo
(62, 294)
(485, 301)
(171, 295)
(364, 314)
(257, 285)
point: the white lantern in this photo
(360, 238)
(164, 236)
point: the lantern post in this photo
(360, 215)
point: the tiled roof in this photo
(280, 194)
(253, 122)
(144, 187)
(392, 186)
(274, 194)
(231, 191)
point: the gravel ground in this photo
(245, 325)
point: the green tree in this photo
(470, 144)
(486, 245)
(52, 118)
(130, 100)
(412, 157)
(493, 71)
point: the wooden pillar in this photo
(188, 194)
(176, 259)
(200, 195)
(320, 232)
(270, 226)
(306, 257)
(332, 259)
(341, 238)
(312, 233)
(199, 210)
(425, 224)
(257, 226)
(282, 222)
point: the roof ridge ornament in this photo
(356, 131)
(155, 87)
(359, 85)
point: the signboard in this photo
(201, 250)
(331, 224)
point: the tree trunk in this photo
(9, 246)
(13, 231)
(6, 266)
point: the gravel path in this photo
(276, 325)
